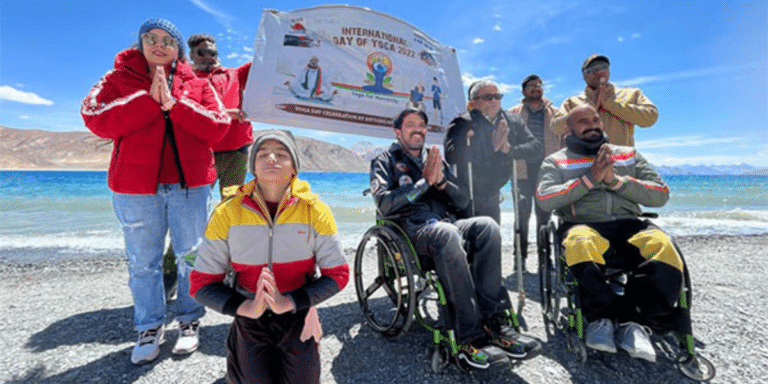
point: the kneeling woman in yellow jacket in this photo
(280, 241)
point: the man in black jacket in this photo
(413, 187)
(489, 139)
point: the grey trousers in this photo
(467, 258)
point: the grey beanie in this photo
(284, 137)
(165, 25)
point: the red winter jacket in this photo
(229, 83)
(119, 107)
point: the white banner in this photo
(351, 70)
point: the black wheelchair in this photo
(673, 339)
(396, 287)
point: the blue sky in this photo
(704, 64)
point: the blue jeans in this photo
(145, 220)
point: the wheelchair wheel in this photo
(441, 357)
(696, 367)
(576, 346)
(545, 277)
(548, 277)
(384, 281)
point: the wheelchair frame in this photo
(405, 284)
(553, 268)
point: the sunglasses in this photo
(489, 96)
(206, 52)
(532, 85)
(596, 68)
(152, 39)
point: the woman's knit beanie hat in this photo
(165, 25)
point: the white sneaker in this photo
(188, 340)
(147, 347)
(636, 340)
(599, 336)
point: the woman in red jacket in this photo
(162, 121)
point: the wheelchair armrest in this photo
(650, 215)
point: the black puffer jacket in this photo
(403, 195)
(490, 170)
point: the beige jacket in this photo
(552, 140)
(622, 110)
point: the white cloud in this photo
(24, 117)
(233, 55)
(620, 39)
(19, 85)
(9, 93)
(478, 40)
(635, 36)
(220, 16)
(497, 27)
(690, 74)
(468, 78)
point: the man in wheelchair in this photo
(412, 186)
(597, 189)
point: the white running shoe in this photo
(147, 347)
(599, 336)
(188, 340)
(636, 340)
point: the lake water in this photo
(69, 213)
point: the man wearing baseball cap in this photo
(620, 109)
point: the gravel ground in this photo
(69, 321)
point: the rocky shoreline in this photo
(69, 321)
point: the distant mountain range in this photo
(37, 149)
(729, 170)
(368, 151)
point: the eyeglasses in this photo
(152, 39)
(595, 68)
(532, 85)
(489, 96)
(206, 52)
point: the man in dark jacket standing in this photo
(412, 187)
(483, 142)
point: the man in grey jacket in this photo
(597, 188)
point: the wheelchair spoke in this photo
(377, 283)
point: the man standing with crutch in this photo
(489, 139)
(481, 146)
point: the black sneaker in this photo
(482, 358)
(514, 344)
